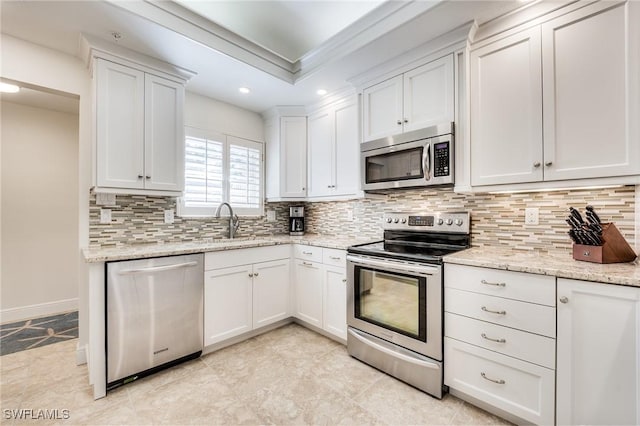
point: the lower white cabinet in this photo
(320, 288)
(245, 290)
(500, 329)
(598, 369)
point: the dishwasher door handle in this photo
(157, 268)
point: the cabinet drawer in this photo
(523, 389)
(246, 256)
(334, 257)
(532, 288)
(311, 253)
(530, 317)
(508, 341)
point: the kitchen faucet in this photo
(234, 222)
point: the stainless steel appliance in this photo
(395, 296)
(154, 315)
(419, 158)
(296, 220)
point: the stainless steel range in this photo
(394, 296)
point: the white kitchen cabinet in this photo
(590, 96)
(228, 303)
(245, 289)
(419, 98)
(333, 145)
(286, 161)
(558, 101)
(506, 110)
(320, 288)
(500, 330)
(139, 130)
(335, 301)
(598, 371)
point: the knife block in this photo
(614, 248)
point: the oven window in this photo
(393, 301)
(400, 165)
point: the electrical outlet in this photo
(350, 215)
(271, 215)
(531, 216)
(105, 216)
(168, 216)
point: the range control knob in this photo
(403, 220)
(396, 220)
(388, 220)
(459, 222)
(440, 221)
(449, 221)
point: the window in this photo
(221, 168)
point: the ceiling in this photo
(284, 51)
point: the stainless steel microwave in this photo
(422, 157)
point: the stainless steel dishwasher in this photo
(154, 315)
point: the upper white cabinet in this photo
(560, 100)
(506, 110)
(286, 162)
(333, 145)
(598, 370)
(419, 98)
(139, 130)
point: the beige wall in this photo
(39, 211)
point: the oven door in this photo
(397, 301)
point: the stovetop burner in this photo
(419, 237)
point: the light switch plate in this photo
(105, 216)
(168, 216)
(271, 215)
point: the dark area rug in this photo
(34, 333)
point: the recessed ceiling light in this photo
(244, 90)
(9, 88)
(321, 92)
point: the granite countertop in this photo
(560, 265)
(140, 251)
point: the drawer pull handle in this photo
(307, 264)
(500, 382)
(484, 308)
(334, 258)
(494, 284)
(307, 252)
(484, 336)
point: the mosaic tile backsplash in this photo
(497, 219)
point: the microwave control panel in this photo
(441, 159)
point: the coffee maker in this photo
(296, 220)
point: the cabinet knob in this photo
(406, 121)
(548, 163)
(140, 176)
(344, 280)
(250, 275)
(399, 122)
(564, 299)
(147, 177)
(536, 164)
(256, 274)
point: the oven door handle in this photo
(391, 266)
(391, 352)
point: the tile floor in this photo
(288, 376)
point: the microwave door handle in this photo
(426, 161)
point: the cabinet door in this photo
(119, 126)
(598, 360)
(428, 94)
(321, 173)
(335, 301)
(506, 110)
(308, 285)
(382, 104)
(227, 303)
(347, 157)
(591, 93)
(293, 156)
(270, 292)
(164, 134)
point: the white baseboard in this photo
(39, 310)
